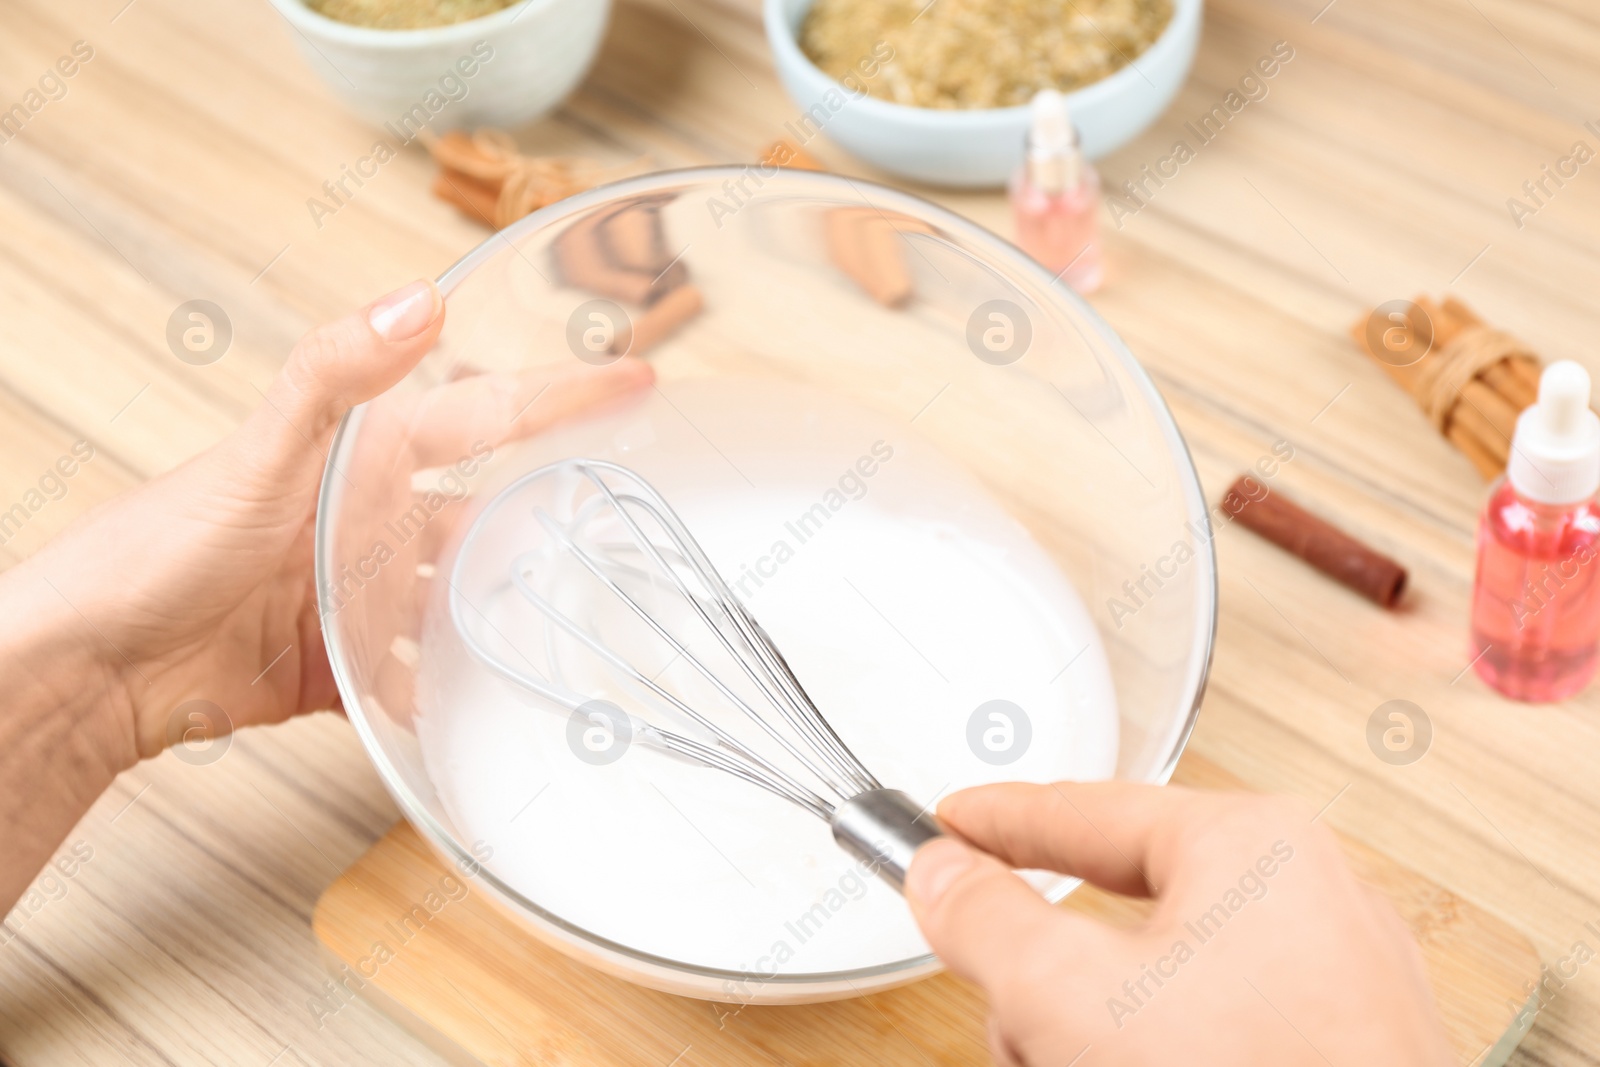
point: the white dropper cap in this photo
(1050, 123)
(1052, 142)
(1555, 453)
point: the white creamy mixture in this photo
(899, 620)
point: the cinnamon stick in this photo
(635, 239)
(617, 255)
(1494, 406)
(1473, 418)
(1321, 544)
(623, 254)
(1508, 380)
(581, 263)
(1487, 463)
(472, 196)
(867, 244)
(659, 321)
(783, 153)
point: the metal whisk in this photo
(651, 555)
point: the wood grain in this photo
(497, 995)
(1378, 166)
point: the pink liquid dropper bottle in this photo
(1536, 600)
(1055, 196)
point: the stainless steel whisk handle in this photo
(883, 828)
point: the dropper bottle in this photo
(1055, 196)
(1536, 599)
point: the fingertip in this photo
(634, 372)
(977, 914)
(934, 869)
(963, 807)
(950, 808)
(407, 312)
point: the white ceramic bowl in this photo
(504, 69)
(980, 147)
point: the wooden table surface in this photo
(178, 166)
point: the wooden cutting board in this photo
(483, 990)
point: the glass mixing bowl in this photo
(885, 360)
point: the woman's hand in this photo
(200, 584)
(1263, 949)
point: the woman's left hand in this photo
(200, 584)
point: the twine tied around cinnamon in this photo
(484, 175)
(1442, 376)
(1471, 380)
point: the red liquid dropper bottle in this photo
(1055, 197)
(1536, 600)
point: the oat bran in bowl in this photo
(981, 53)
(447, 64)
(405, 14)
(939, 103)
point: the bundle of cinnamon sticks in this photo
(1470, 379)
(492, 182)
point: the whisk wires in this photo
(679, 566)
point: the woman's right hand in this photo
(1263, 949)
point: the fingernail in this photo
(406, 312)
(935, 868)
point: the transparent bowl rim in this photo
(444, 841)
